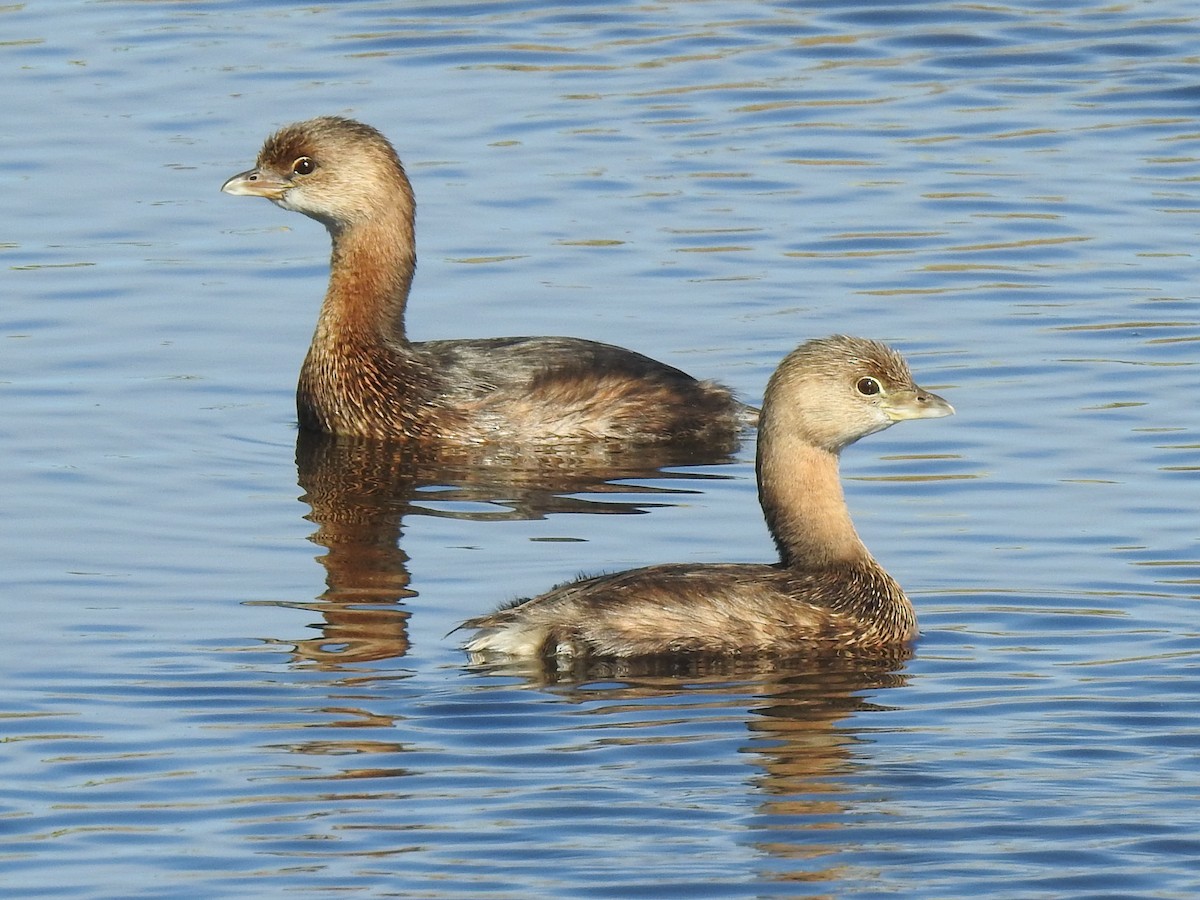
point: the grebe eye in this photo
(868, 386)
(304, 166)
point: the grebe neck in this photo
(361, 375)
(371, 272)
(800, 490)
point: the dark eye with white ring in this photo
(868, 386)
(304, 166)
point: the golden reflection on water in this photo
(788, 720)
(796, 741)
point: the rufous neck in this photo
(371, 272)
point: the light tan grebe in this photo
(826, 592)
(362, 375)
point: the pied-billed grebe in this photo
(825, 592)
(362, 375)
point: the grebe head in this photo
(337, 171)
(833, 391)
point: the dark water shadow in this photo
(568, 677)
(360, 491)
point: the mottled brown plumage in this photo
(826, 592)
(362, 375)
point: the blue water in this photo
(225, 673)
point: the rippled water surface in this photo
(226, 668)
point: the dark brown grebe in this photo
(362, 375)
(826, 592)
